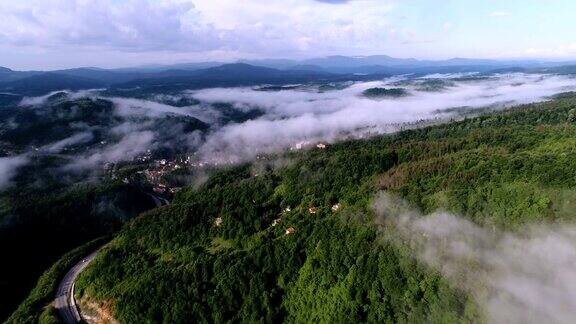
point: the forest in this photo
(291, 237)
(383, 93)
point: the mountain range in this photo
(252, 72)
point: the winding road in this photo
(65, 302)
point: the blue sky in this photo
(50, 34)
(490, 28)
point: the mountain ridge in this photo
(250, 73)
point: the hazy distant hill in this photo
(256, 72)
(347, 61)
(8, 75)
(238, 74)
(48, 82)
(7, 99)
(102, 75)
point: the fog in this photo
(75, 139)
(9, 167)
(524, 277)
(296, 116)
(138, 107)
(306, 115)
(129, 147)
(528, 276)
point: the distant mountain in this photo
(228, 75)
(8, 75)
(347, 61)
(387, 64)
(160, 68)
(9, 99)
(308, 67)
(418, 70)
(239, 71)
(107, 77)
(464, 61)
(47, 82)
(565, 69)
(258, 72)
(273, 63)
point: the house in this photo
(218, 221)
(313, 210)
(276, 221)
(290, 230)
(336, 207)
(287, 209)
(321, 146)
(300, 145)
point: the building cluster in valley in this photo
(306, 144)
(155, 174)
(155, 171)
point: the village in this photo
(156, 170)
(276, 222)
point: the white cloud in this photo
(75, 139)
(126, 149)
(131, 25)
(294, 116)
(9, 167)
(499, 14)
(138, 107)
(523, 277)
(560, 51)
(258, 26)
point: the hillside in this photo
(228, 75)
(41, 84)
(61, 208)
(177, 77)
(295, 239)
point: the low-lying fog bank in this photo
(523, 277)
(305, 115)
(236, 124)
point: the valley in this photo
(277, 181)
(302, 161)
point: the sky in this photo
(53, 34)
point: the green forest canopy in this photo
(172, 264)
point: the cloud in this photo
(499, 14)
(139, 107)
(131, 25)
(75, 139)
(135, 126)
(560, 51)
(304, 115)
(252, 27)
(334, 1)
(524, 277)
(129, 147)
(294, 116)
(9, 167)
(40, 100)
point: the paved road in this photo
(159, 201)
(64, 302)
